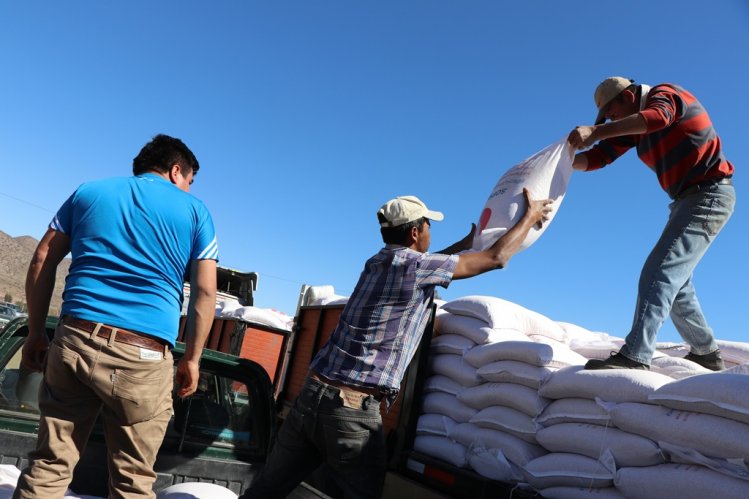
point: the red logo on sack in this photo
(484, 219)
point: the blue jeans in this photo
(666, 280)
(319, 429)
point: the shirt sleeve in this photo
(607, 151)
(62, 222)
(205, 244)
(663, 107)
(436, 270)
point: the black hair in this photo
(399, 234)
(161, 153)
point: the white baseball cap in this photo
(404, 209)
(606, 91)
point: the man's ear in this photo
(629, 96)
(413, 236)
(174, 170)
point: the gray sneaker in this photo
(616, 361)
(712, 360)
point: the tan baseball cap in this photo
(605, 93)
(404, 209)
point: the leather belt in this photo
(359, 390)
(693, 189)
(121, 335)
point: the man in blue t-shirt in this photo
(132, 241)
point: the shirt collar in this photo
(644, 91)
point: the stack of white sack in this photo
(480, 402)
(603, 434)
(668, 358)
(585, 448)
(702, 425)
(734, 353)
(231, 309)
(323, 295)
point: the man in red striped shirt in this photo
(675, 138)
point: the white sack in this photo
(499, 313)
(600, 349)
(196, 490)
(569, 470)
(683, 455)
(512, 371)
(530, 352)
(515, 449)
(266, 316)
(672, 349)
(455, 368)
(592, 440)
(492, 464)
(451, 343)
(676, 367)
(545, 175)
(613, 385)
(717, 393)
(447, 405)
(442, 448)
(474, 329)
(226, 307)
(678, 481)
(581, 493)
(507, 420)
(519, 397)
(734, 352)
(440, 383)
(573, 410)
(709, 435)
(435, 424)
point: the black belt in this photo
(693, 189)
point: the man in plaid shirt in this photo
(336, 419)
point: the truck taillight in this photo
(432, 472)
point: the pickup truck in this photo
(286, 356)
(220, 435)
(250, 375)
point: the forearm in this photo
(633, 124)
(498, 255)
(40, 283)
(40, 278)
(201, 309)
(509, 243)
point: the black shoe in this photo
(616, 361)
(712, 360)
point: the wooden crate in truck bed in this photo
(260, 343)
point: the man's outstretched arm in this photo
(497, 256)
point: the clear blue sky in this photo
(307, 115)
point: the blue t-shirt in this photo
(131, 242)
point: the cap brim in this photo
(437, 216)
(601, 115)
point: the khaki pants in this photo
(130, 386)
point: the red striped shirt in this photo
(680, 145)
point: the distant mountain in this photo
(15, 255)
